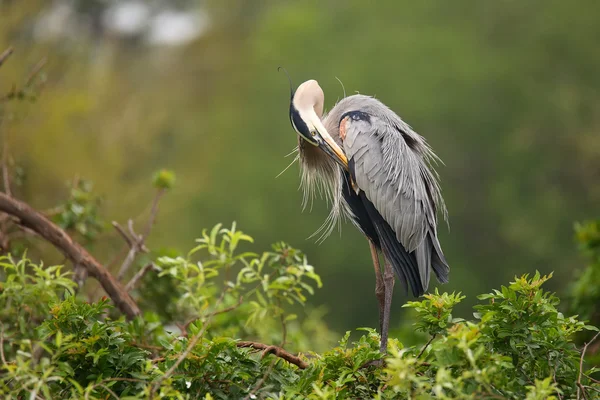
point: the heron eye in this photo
(314, 133)
(357, 116)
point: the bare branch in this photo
(5, 54)
(153, 213)
(34, 220)
(122, 232)
(139, 275)
(128, 261)
(425, 347)
(137, 242)
(36, 70)
(278, 351)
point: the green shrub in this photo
(54, 345)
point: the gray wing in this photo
(390, 164)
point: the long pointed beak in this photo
(329, 146)
(332, 149)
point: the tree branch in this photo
(34, 220)
(425, 347)
(278, 351)
(137, 242)
(139, 275)
(35, 70)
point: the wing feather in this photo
(394, 174)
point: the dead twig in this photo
(153, 213)
(425, 347)
(35, 70)
(5, 54)
(136, 242)
(34, 220)
(139, 275)
(122, 232)
(278, 351)
(580, 387)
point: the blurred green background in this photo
(505, 91)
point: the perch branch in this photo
(278, 351)
(34, 220)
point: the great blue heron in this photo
(377, 171)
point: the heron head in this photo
(306, 110)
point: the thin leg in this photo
(379, 286)
(388, 281)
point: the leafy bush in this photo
(54, 345)
(585, 291)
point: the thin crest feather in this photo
(341, 83)
(288, 167)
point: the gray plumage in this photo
(392, 165)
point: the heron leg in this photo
(379, 286)
(388, 281)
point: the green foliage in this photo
(253, 288)
(435, 312)
(57, 346)
(27, 292)
(80, 212)
(585, 290)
